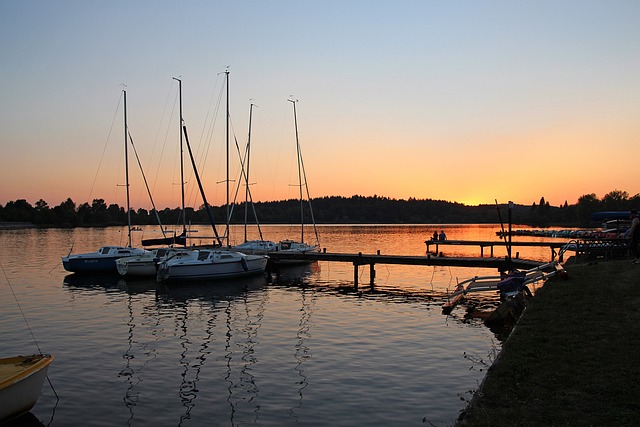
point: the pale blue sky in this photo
(459, 100)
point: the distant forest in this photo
(326, 210)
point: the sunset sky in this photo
(464, 101)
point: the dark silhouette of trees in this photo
(615, 200)
(20, 211)
(328, 210)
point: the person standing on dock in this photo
(442, 236)
(634, 234)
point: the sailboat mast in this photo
(184, 219)
(227, 144)
(246, 178)
(295, 119)
(126, 167)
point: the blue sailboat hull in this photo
(101, 261)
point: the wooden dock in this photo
(589, 248)
(553, 246)
(373, 259)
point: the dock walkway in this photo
(606, 248)
(373, 259)
(554, 246)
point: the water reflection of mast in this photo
(244, 388)
(303, 352)
(228, 356)
(248, 355)
(188, 388)
(134, 375)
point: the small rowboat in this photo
(21, 380)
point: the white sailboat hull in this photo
(256, 247)
(290, 246)
(212, 265)
(138, 268)
(146, 265)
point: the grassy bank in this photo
(574, 357)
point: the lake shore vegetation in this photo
(327, 210)
(572, 357)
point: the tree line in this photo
(326, 210)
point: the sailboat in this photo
(104, 259)
(289, 245)
(180, 239)
(217, 262)
(256, 246)
(145, 265)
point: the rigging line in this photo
(202, 153)
(235, 138)
(215, 111)
(146, 184)
(175, 150)
(166, 134)
(28, 327)
(105, 146)
(214, 120)
(204, 199)
(208, 128)
(239, 180)
(243, 175)
(306, 185)
(276, 169)
(166, 138)
(55, 394)
(432, 275)
(244, 160)
(58, 264)
(20, 308)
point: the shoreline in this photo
(570, 360)
(15, 225)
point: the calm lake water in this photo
(304, 349)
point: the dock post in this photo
(372, 273)
(355, 275)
